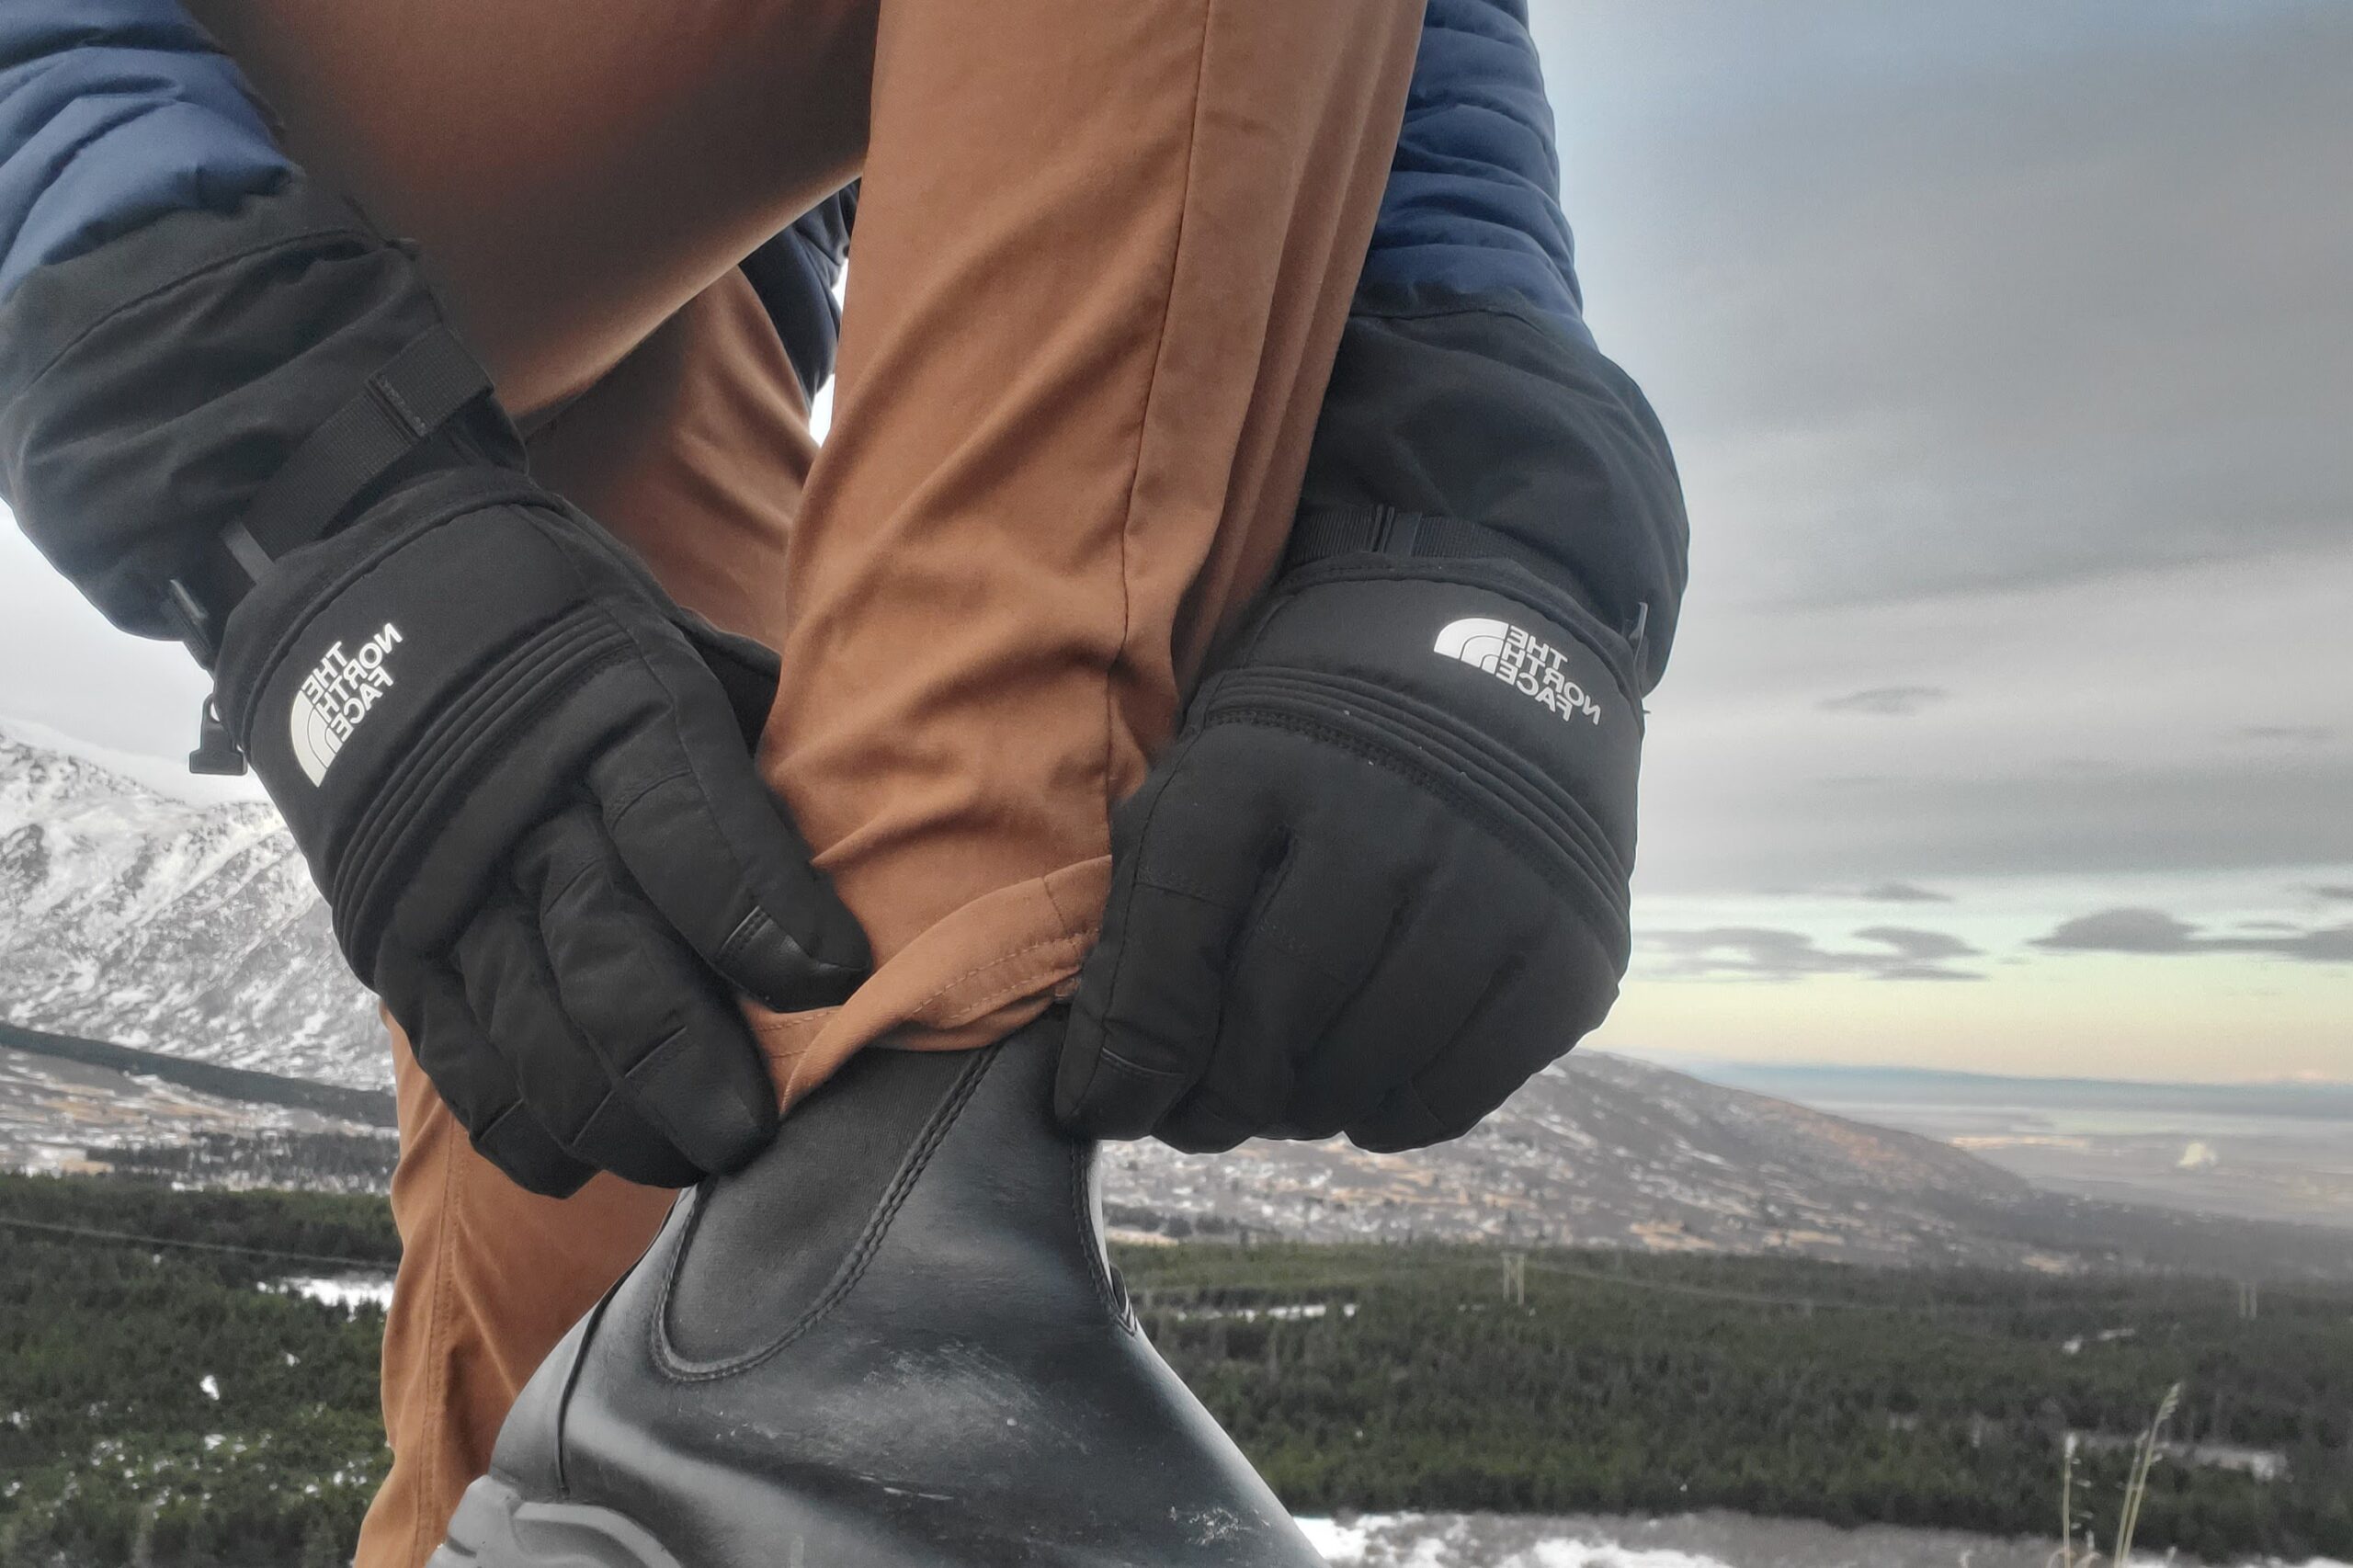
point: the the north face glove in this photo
(1381, 876)
(519, 772)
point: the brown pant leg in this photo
(1103, 258)
(695, 449)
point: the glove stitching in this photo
(1498, 985)
(763, 900)
(1517, 783)
(1264, 930)
(1522, 785)
(616, 809)
(649, 1110)
(1513, 835)
(1137, 1069)
(1080, 1008)
(1565, 835)
(509, 696)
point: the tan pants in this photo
(1102, 256)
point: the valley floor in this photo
(179, 1386)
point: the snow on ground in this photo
(1703, 1540)
(348, 1291)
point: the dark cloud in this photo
(2333, 894)
(1891, 701)
(1913, 943)
(1716, 827)
(1761, 953)
(1903, 892)
(1952, 299)
(2300, 734)
(2153, 932)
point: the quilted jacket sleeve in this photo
(113, 113)
(1468, 385)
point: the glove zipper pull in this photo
(216, 751)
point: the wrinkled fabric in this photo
(114, 113)
(1473, 201)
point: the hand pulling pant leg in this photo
(1104, 258)
(694, 449)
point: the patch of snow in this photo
(347, 1290)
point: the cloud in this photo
(1954, 298)
(1761, 953)
(1903, 892)
(2152, 932)
(2300, 734)
(1889, 702)
(2333, 892)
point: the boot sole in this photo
(496, 1526)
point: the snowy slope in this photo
(129, 915)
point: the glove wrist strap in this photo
(1324, 533)
(395, 411)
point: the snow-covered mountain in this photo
(129, 915)
(132, 916)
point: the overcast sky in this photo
(2007, 348)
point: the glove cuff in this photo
(193, 399)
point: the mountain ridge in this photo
(211, 909)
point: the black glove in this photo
(1380, 877)
(520, 775)
(519, 772)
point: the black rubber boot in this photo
(892, 1340)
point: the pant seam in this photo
(436, 1359)
(1151, 395)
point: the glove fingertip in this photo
(711, 1098)
(1100, 1093)
(530, 1156)
(1197, 1127)
(768, 963)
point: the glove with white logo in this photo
(521, 776)
(1380, 877)
(520, 772)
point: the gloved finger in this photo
(567, 1086)
(1190, 853)
(475, 1082)
(1538, 1007)
(1415, 994)
(717, 855)
(1324, 915)
(674, 1044)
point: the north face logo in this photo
(336, 697)
(1529, 664)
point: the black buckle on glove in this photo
(400, 407)
(397, 410)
